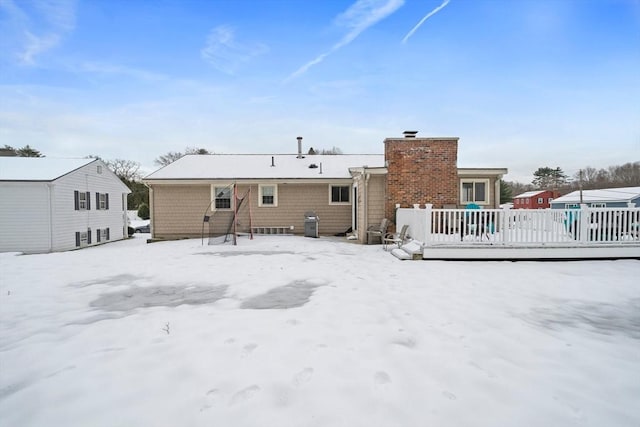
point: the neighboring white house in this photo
(49, 205)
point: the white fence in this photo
(522, 227)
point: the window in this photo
(340, 193)
(99, 169)
(598, 205)
(102, 201)
(540, 200)
(268, 195)
(474, 191)
(83, 238)
(223, 197)
(102, 234)
(82, 200)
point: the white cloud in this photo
(360, 16)
(427, 16)
(38, 27)
(102, 68)
(225, 53)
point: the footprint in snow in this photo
(248, 349)
(449, 395)
(302, 377)
(212, 396)
(244, 395)
(381, 378)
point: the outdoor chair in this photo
(374, 232)
(395, 238)
(475, 223)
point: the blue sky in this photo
(524, 84)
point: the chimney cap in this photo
(410, 133)
(298, 138)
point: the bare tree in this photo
(172, 156)
(167, 159)
(332, 150)
(127, 170)
(626, 175)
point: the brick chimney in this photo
(420, 170)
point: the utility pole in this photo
(580, 185)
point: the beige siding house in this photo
(213, 194)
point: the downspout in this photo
(51, 212)
(151, 213)
(366, 205)
(496, 193)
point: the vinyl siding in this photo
(178, 210)
(67, 221)
(24, 217)
(376, 200)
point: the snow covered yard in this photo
(292, 331)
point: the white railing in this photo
(522, 227)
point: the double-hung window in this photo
(102, 201)
(223, 197)
(268, 195)
(340, 194)
(82, 200)
(474, 191)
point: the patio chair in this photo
(395, 238)
(474, 223)
(377, 231)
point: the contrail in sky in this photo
(429, 15)
(361, 15)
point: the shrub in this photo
(143, 211)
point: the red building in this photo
(540, 199)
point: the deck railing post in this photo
(585, 222)
(428, 214)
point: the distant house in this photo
(540, 199)
(346, 192)
(604, 198)
(59, 204)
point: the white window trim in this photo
(275, 196)
(487, 190)
(213, 197)
(340, 203)
(102, 201)
(82, 201)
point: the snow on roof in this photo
(38, 168)
(529, 194)
(265, 166)
(624, 194)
